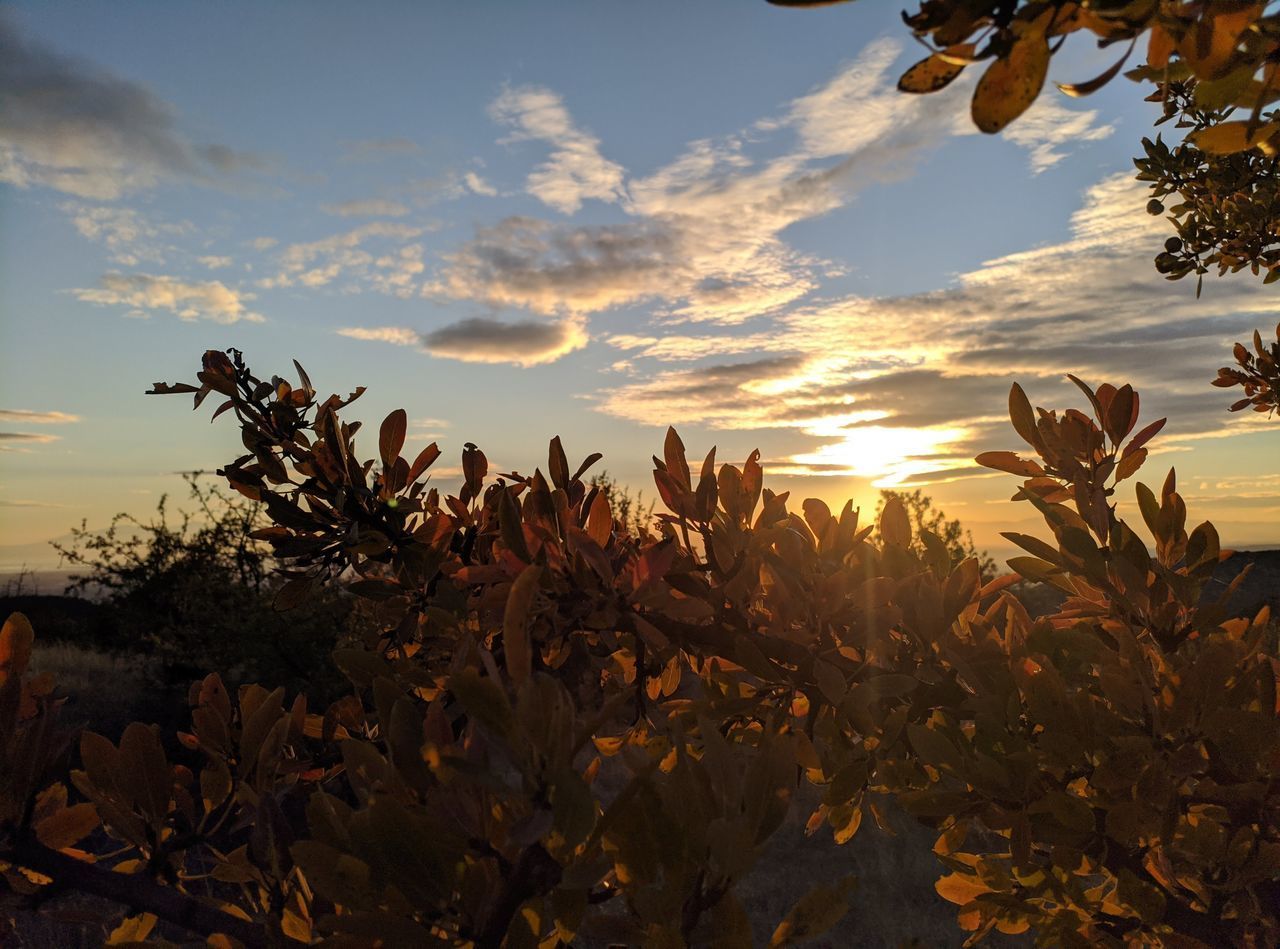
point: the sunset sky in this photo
(589, 219)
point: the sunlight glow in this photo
(887, 454)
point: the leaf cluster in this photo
(1214, 68)
(1258, 374)
(561, 731)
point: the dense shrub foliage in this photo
(563, 731)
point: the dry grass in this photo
(105, 691)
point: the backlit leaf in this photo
(1011, 83)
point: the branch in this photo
(144, 894)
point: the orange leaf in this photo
(1011, 83)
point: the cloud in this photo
(482, 340)
(23, 503)
(37, 418)
(703, 236)
(318, 263)
(189, 300)
(1047, 130)
(17, 441)
(923, 387)
(34, 437)
(478, 185)
(69, 125)
(214, 262)
(129, 236)
(549, 268)
(263, 243)
(367, 207)
(575, 171)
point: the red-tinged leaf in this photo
(391, 436)
(673, 454)
(1130, 463)
(1080, 89)
(895, 524)
(1022, 416)
(426, 458)
(1089, 394)
(474, 468)
(752, 484)
(511, 525)
(730, 483)
(817, 515)
(303, 377)
(516, 644)
(16, 639)
(590, 460)
(1008, 461)
(600, 520)
(1144, 436)
(709, 465)
(673, 494)
(654, 563)
(558, 464)
(1121, 413)
(1033, 545)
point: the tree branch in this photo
(144, 894)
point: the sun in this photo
(889, 455)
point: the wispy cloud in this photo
(128, 235)
(477, 185)
(69, 125)
(189, 300)
(481, 340)
(37, 418)
(1049, 131)
(215, 262)
(703, 239)
(318, 263)
(576, 171)
(366, 207)
(19, 441)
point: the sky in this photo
(591, 219)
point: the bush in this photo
(563, 732)
(196, 591)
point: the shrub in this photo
(194, 590)
(565, 732)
